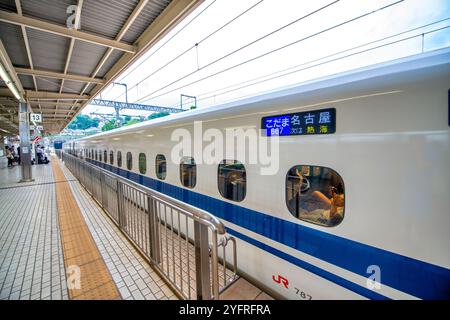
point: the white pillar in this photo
(25, 148)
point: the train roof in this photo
(360, 79)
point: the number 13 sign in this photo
(36, 117)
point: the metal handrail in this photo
(199, 214)
(141, 214)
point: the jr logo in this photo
(374, 280)
(281, 280)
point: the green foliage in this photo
(83, 122)
(129, 123)
(157, 115)
(109, 125)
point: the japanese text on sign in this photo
(301, 123)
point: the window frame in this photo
(310, 221)
(194, 165)
(158, 162)
(222, 163)
(144, 171)
(119, 159)
(129, 161)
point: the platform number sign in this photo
(36, 117)
(300, 123)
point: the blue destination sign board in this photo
(301, 123)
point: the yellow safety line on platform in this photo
(81, 255)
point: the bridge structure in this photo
(118, 105)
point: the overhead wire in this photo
(259, 56)
(168, 40)
(245, 46)
(194, 46)
(241, 86)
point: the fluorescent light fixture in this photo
(150, 135)
(5, 131)
(5, 76)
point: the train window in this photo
(96, 155)
(232, 180)
(105, 156)
(100, 156)
(160, 166)
(119, 159)
(129, 161)
(188, 172)
(142, 163)
(315, 194)
(111, 157)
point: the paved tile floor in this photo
(31, 262)
(132, 274)
(31, 258)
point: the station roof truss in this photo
(61, 68)
(133, 106)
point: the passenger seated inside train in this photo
(315, 194)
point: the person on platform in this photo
(9, 156)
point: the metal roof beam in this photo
(13, 82)
(57, 111)
(45, 95)
(57, 75)
(137, 10)
(71, 45)
(27, 44)
(14, 18)
(53, 116)
(166, 21)
(59, 104)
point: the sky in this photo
(247, 47)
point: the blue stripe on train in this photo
(310, 267)
(415, 277)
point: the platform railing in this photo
(187, 245)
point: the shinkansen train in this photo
(351, 199)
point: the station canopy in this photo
(58, 54)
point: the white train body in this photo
(391, 148)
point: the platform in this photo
(31, 252)
(51, 224)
